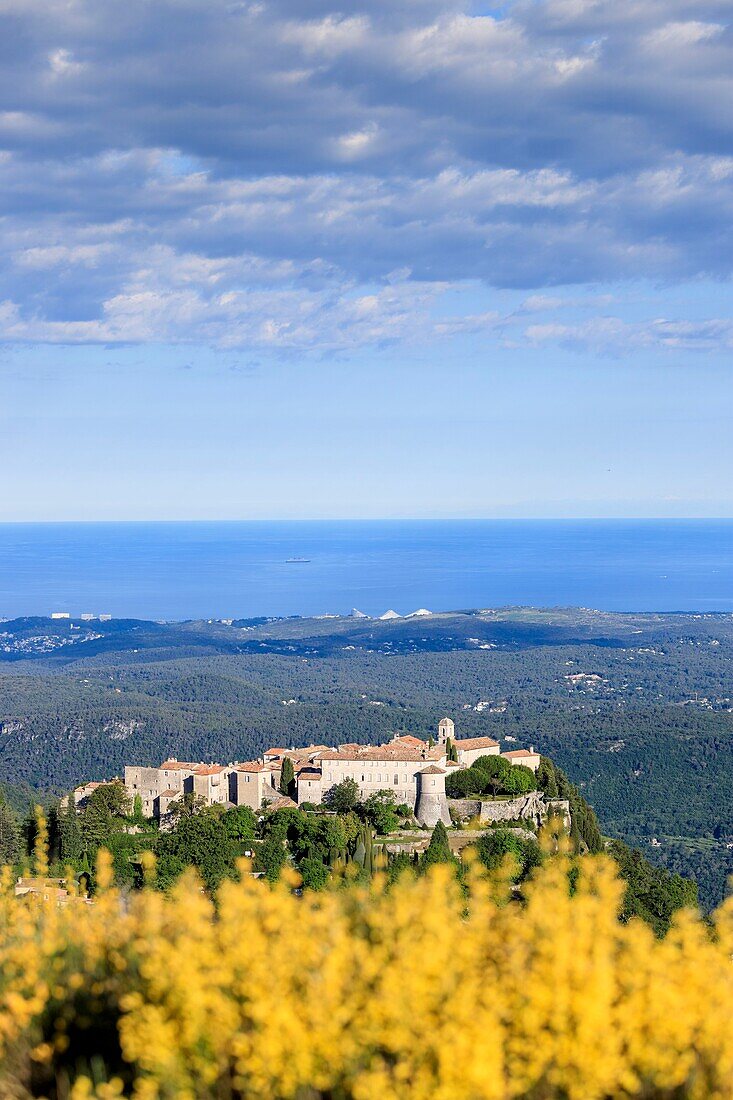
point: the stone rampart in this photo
(526, 807)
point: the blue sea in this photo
(232, 570)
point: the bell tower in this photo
(446, 729)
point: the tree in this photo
(201, 841)
(343, 796)
(240, 823)
(399, 865)
(451, 752)
(71, 843)
(379, 809)
(519, 780)
(438, 850)
(137, 810)
(287, 778)
(271, 857)
(496, 771)
(460, 784)
(9, 835)
(314, 873)
(496, 844)
(105, 813)
(187, 805)
(364, 852)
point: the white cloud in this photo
(168, 168)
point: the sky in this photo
(304, 259)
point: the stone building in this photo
(432, 805)
(411, 768)
(255, 782)
(527, 757)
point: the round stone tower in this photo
(432, 805)
(446, 729)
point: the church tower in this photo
(446, 729)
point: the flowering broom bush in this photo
(428, 989)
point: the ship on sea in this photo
(296, 561)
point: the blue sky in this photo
(429, 259)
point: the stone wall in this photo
(527, 807)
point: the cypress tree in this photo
(287, 777)
(438, 850)
(369, 850)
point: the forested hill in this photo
(636, 708)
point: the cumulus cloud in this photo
(168, 170)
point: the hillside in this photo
(637, 709)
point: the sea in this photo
(203, 570)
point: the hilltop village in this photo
(413, 770)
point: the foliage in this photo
(314, 873)
(287, 778)
(343, 796)
(105, 812)
(585, 831)
(271, 857)
(652, 893)
(496, 845)
(199, 840)
(438, 850)
(71, 843)
(9, 835)
(240, 823)
(175, 995)
(490, 775)
(380, 810)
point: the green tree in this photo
(438, 850)
(9, 835)
(287, 778)
(105, 813)
(188, 805)
(314, 873)
(380, 810)
(399, 865)
(519, 780)
(465, 782)
(240, 823)
(451, 752)
(343, 796)
(496, 844)
(271, 857)
(201, 841)
(71, 843)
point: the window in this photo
(396, 780)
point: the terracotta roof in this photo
(274, 752)
(408, 739)
(520, 752)
(282, 802)
(432, 770)
(475, 743)
(383, 752)
(209, 769)
(309, 773)
(253, 766)
(177, 765)
(170, 793)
